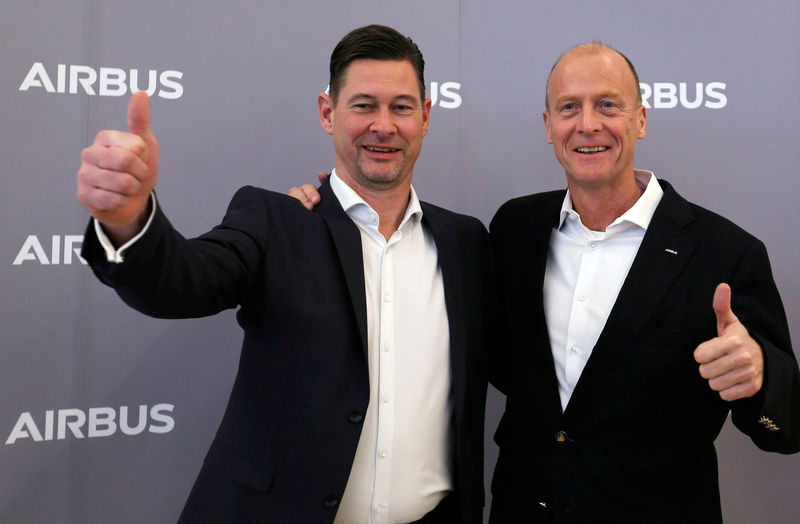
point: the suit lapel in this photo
(662, 256)
(447, 253)
(536, 246)
(347, 240)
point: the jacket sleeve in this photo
(168, 276)
(772, 417)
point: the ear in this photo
(326, 112)
(426, 115)
(642, 120)
(546, 118)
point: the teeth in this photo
(595, 149)
(380, 149)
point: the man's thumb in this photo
(722, 307)
(139, 116)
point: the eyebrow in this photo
(367, 96)
(605, 94)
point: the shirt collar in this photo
(361, 212)
(640, 213)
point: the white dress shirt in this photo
(402, 467)
(585, 272)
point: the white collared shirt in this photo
(585, 272)
(402, 467)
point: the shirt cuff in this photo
(116, 256)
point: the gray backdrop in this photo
(234, 91)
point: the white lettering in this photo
(89, 77)
(714, 91)
(79, 419)
(101, 422)
(24, 428)
(31, 243)
(70, 241)
(33, 250)
(451, 98)
(123, 421)
(157, 415)
(698, 96)
(37, 77)
(169, 80)
(666, 95)
(112, 82)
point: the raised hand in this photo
(732, 362)
(119, 171)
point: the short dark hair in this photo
(375, 42)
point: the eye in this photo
(608, 105)
(362, 107)
(568, 107)
(403, 108)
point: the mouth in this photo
(591, 150)
(381, 149)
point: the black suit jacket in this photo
(286, 444)
(635, 443)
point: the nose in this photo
(589, 121)
(383, 122)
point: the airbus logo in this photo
(97, 422)
(666, 95)
(104, 81)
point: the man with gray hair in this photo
(635, 320)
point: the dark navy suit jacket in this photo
(636, 441)
(286, 444)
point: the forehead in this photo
(380, 77)
(578, 75)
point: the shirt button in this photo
(331, 500)
(582, 297)
(384, 453)
(593, 246)
(379, 508)
(373, 219)
(387, 346)
(356, 417)
(386, 398)
(387, 297)
(574, 350)
(561, 437)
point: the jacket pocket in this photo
(239, 469)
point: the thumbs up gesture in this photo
(732, 362)
(119, 171)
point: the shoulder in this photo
(701, 221)
(537, 206)
(444, 218)
(259, 200)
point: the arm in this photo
(751, 362)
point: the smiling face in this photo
(377, 123)
(594, 117)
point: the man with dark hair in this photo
(374, 415)
(612, 294)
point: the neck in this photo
(389, 202)
(599, 206)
